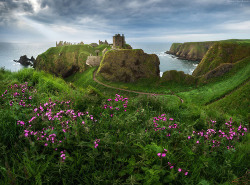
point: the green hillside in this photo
(75, 130)
(229, 51)
(66, 60)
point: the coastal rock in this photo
(25, 61)
(129, 65)
(177, 77)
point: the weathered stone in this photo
(129, 65)
(94, 60)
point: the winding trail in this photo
(137, 92)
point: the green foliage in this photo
(131, 133)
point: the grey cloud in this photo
(136, 17)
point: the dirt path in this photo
(137, 92)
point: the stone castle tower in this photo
(119, 41)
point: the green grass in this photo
(149, 86)
(128, 146)
(233, 104)
(219, 86)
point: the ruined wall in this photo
(61, 43)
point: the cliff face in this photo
(230, 51)
(129, 65)
(66, 60)
(190, 50)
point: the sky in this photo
(139, 20)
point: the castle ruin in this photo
(105, 42)
(61, 43)
(119, 41)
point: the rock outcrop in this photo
(25, 61)
(178, 77)
(194, 51)
(229, 51)
(129, 65)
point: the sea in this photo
(13, 51)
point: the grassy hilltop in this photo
(78, 131)
(65, 60)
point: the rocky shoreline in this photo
(183, 57)
(193, 51)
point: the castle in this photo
(119, 41)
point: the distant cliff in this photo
(220, 57)
(190, 50)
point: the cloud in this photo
(243, 26)
(165, 19)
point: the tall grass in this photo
(109, 137)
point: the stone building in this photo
(119, 41)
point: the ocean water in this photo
(11, 51)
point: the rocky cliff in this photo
(190, 50)
(66, 60)
(223, 52)
(129, 65)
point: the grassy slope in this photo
(235, 104)
(126, 153)
(84, 80)
(194, 96)
(219, 86)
